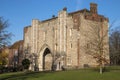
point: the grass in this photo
(62, 75)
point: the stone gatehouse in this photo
(58, 42)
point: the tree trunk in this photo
(101, 70)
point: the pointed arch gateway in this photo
(45, 58)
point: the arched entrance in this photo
(47, 59)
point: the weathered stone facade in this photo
(58, 41)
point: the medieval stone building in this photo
(58, 42)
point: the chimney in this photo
(93, 8)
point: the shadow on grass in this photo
(24, 75)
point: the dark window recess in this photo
(101, 19)
(71, 45)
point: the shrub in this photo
(26, 63)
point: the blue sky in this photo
(21, 12)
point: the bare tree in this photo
(4, 39)
(4, 35)
(115, 47)
(97, 44)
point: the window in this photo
(56, 47)
(70, 32)
(88, 46)
(71, 45)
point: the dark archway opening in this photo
(47, 59)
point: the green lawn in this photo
(62, 75)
